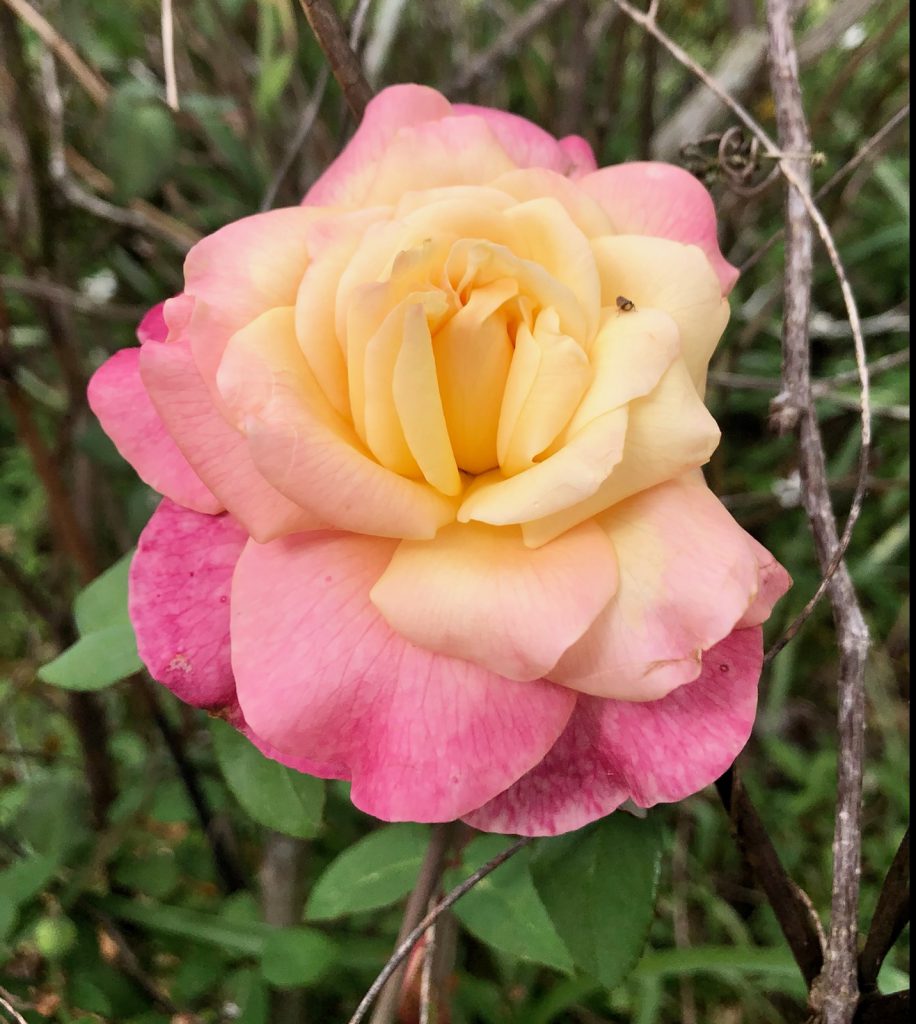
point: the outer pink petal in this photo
(350, 175)
(153, 326)
(774, 582)
(321, 675)
(477, 592)
(180, 580)
(530, 146)
(687, 576)
(663, 200)
(119, 399)
(233, 715)
(217, 452)
(651, 753)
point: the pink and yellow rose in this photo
(430, 447)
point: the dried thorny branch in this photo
(332, 37)
(413, 937)
(836, 994)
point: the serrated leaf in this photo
(104, 602)
(276, 796)
(374, 872)
(504, 909)
(296, 957)
(600, 894)
(95, 661)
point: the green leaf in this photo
(95, 661)
(104, 602)
(600, 893)
(274, 795)
(294, 957)
(141, 142)
(504, 910)
(272, 82)
(242, 938)
(374, 872)
(153, 874)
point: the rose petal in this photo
(348, 178)
(687, 576)
(478, 593)
(774, 581)
(655, 273)
(529, 145)
(215, 450)
(321, 675)
(180, 580)
(660, 199)
(120, 401)
(669, 432)
(657, 752)
(153, 326)
(306, 450)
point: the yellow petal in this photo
(419, 407)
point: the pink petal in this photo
(180, 580)
(530, 146)
(396, 107)
(123, 407)
(232, 713)
(687, 576)
(321, 675)
(664, 200)
(476, 592)
(217, 452)
(153, 326)
(657, 752)
(774, 581)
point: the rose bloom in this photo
(430, 445)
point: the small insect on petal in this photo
(625, 305)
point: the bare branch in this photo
(508, 43)
(96, 86)
(890, 918)
(414, 936)
(423, 892)
(49, 291)
(836, 992)
(168, 55)
(870, 148)
(793, 908)
(345, 66)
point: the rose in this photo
(430, 444)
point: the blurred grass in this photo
(245, 71)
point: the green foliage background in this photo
(246, 70)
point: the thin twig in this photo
(49, 291)
(793, 908)
(890, 918)
(505, 46)
(168, 55)
(836, 993)
(345, 66)
(309, 116)
(96, 86)
(425, 890)
(869, 148)
(7, 1005)
(414, 936)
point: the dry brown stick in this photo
(793, 908)
(890, 917)
(425, 889)
(869, 148)
(507, 44)
(50, 291)
(331, 34)
(892, 1009)
(836, 993)
(415, 934)
(168, 55)
(96, 86)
